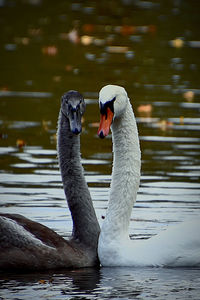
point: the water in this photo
(106, 283)
(159, 67)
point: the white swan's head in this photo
(113, 100)
(73, 108)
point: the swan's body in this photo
(177, 246)
(28, 245)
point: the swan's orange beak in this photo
(105, 123)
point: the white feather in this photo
(179, 245)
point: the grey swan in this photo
(26, 245)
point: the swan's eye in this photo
(110, 104)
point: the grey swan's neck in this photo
(85, 225)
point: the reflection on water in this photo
(152, 49)
(106, 283)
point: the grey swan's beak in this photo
(75, 122)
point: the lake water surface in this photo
(150, 48)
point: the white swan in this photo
(177, 246)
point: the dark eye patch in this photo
(110, 104)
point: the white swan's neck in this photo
(125, 176)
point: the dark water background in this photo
(152, 48)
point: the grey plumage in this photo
(85, 225)
(28, 245)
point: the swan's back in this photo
(28, 245)
(22, 232)
(177, 246)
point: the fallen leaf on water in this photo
(22, 40)
(117, 49)
(177, 43)
(127, 30)
(4, 88)
(152, 29)
(50, 50)
(57, 78)
(189, 96)
(35, 31)
(88, 28)
(145, 110)
(68, 68)
(25, 41)
(86, 40)
(181, 120)
(46, 125)
(53, 138)
(42, 281)
(165, 125)
(20, 143)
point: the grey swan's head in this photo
(73, 107)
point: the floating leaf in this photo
(127, 30)
(42, 281)
(86, 40)
(177, 43)
(68, 68)
(189, 96)
(165, 125)
(20, 143)
(145, 110)
(181, 120)
(53, 138)
(46, 125)
(57, 78)
(22, 40)
(88, 28)
(117, 49)
(50, 50)
(35, 32)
